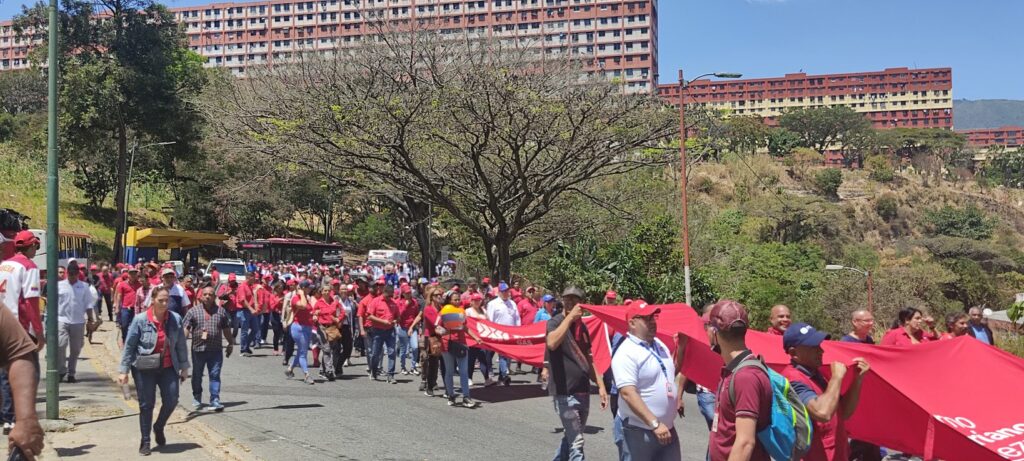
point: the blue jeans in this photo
(248, 326)
(503, 363)
(146, 383)
(706, 402)
(124, 320)
(404, 347)
(382, 339)
(212, 361)
(300, 336)
(450, 362)
(617, 435)
(7, 394)
(642, 445)
(573, 411)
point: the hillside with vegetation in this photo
(987, 113)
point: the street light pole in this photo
(52, 220)
(682, 171)
(866, 274)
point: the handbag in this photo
(332, 332)
(459, 350)
(149, 362)
(434, 346)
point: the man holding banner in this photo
(567, 356)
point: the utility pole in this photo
(682, 171)
(52, 225)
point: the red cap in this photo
(641, 309)
(268, 277)
(406, 288)
(291, 282)
(486, 281)
(336, 282)
(25, 239)
(381, 281)
(94, 267)
(726, 314)
(476, 296)
(232, 277)
(610, 295)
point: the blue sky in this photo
(979, 39)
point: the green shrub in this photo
(969, 222)
(827, 182)
(886, 206)
(880, 168)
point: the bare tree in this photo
(499, 136)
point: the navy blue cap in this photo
(802, 334)
(502, 286)
(548, 298)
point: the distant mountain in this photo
(987, 113)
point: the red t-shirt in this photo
(244, 294)
(275, 303)
(261, 299)
(753, 399)
(527, 311)
(773, 331)
(430, 318)
(383, 308)
(128, 290)
(155, 280)
(362, 307)
(108, 283)
(161, 339)
(408, 309)
(899, 337)
(304, 317)
(231, 305)
(327, 310)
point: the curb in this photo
(217, 444)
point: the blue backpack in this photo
(788, 437)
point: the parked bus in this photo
(69, 245)
(285, 249)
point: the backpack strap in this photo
(750, 361)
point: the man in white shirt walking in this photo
(74, 308)
(645, 376)
(503, 311)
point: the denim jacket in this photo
(141, 340)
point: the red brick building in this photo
(1007, 136)
(614, 37)
(899, 97)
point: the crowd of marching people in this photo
(316, 318)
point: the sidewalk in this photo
(106, 426)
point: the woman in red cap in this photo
(329, 315)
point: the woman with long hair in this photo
(328, 322)
(156, 354)
(425, 321)
(906, 329)
(451, 326)
(477, 355)
(302, 306)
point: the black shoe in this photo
(428, 393)
(451, 401)
(469, 403)
(507, 381)
(71, 379)
(144, 449)
(158, 437)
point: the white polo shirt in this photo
(73, 301)
(650, 369)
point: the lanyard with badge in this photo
(664, 371)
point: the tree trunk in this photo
(492, 258)
(120, 214)
(419, 213)
(503, 268)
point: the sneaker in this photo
(404, 371)
(428, 393)
(216, 406)
(391, 380)
(144, 449)
(451, 401)
(369, 373)
(507, 381)
(9, 426)
(469, 403)
(196, 404)
(247, 354)
(416, 371)
(490, 382)
(308, 379)
(470, 381)
(290, 374)
(348, 363)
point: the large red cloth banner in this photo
(952, 400)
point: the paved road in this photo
(357, 419)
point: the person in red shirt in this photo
(329, 315)
(124, 297)
(825, 402)
(515, 292)
(956, 325)
(610, 298)
(302, 308)
(228, 295)
(364, 323)
(736, 422)
(408, 309)
(275, 305)
(106, 289)
(906, 330)
(780, 318)
(529, 305)
(188, 284)
(247, 315)
(383, 317)
(263, 300)
(425, 321)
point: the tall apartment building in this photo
(1010, 137)
(614, 37)
(899, 97)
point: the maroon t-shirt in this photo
(753, 399)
